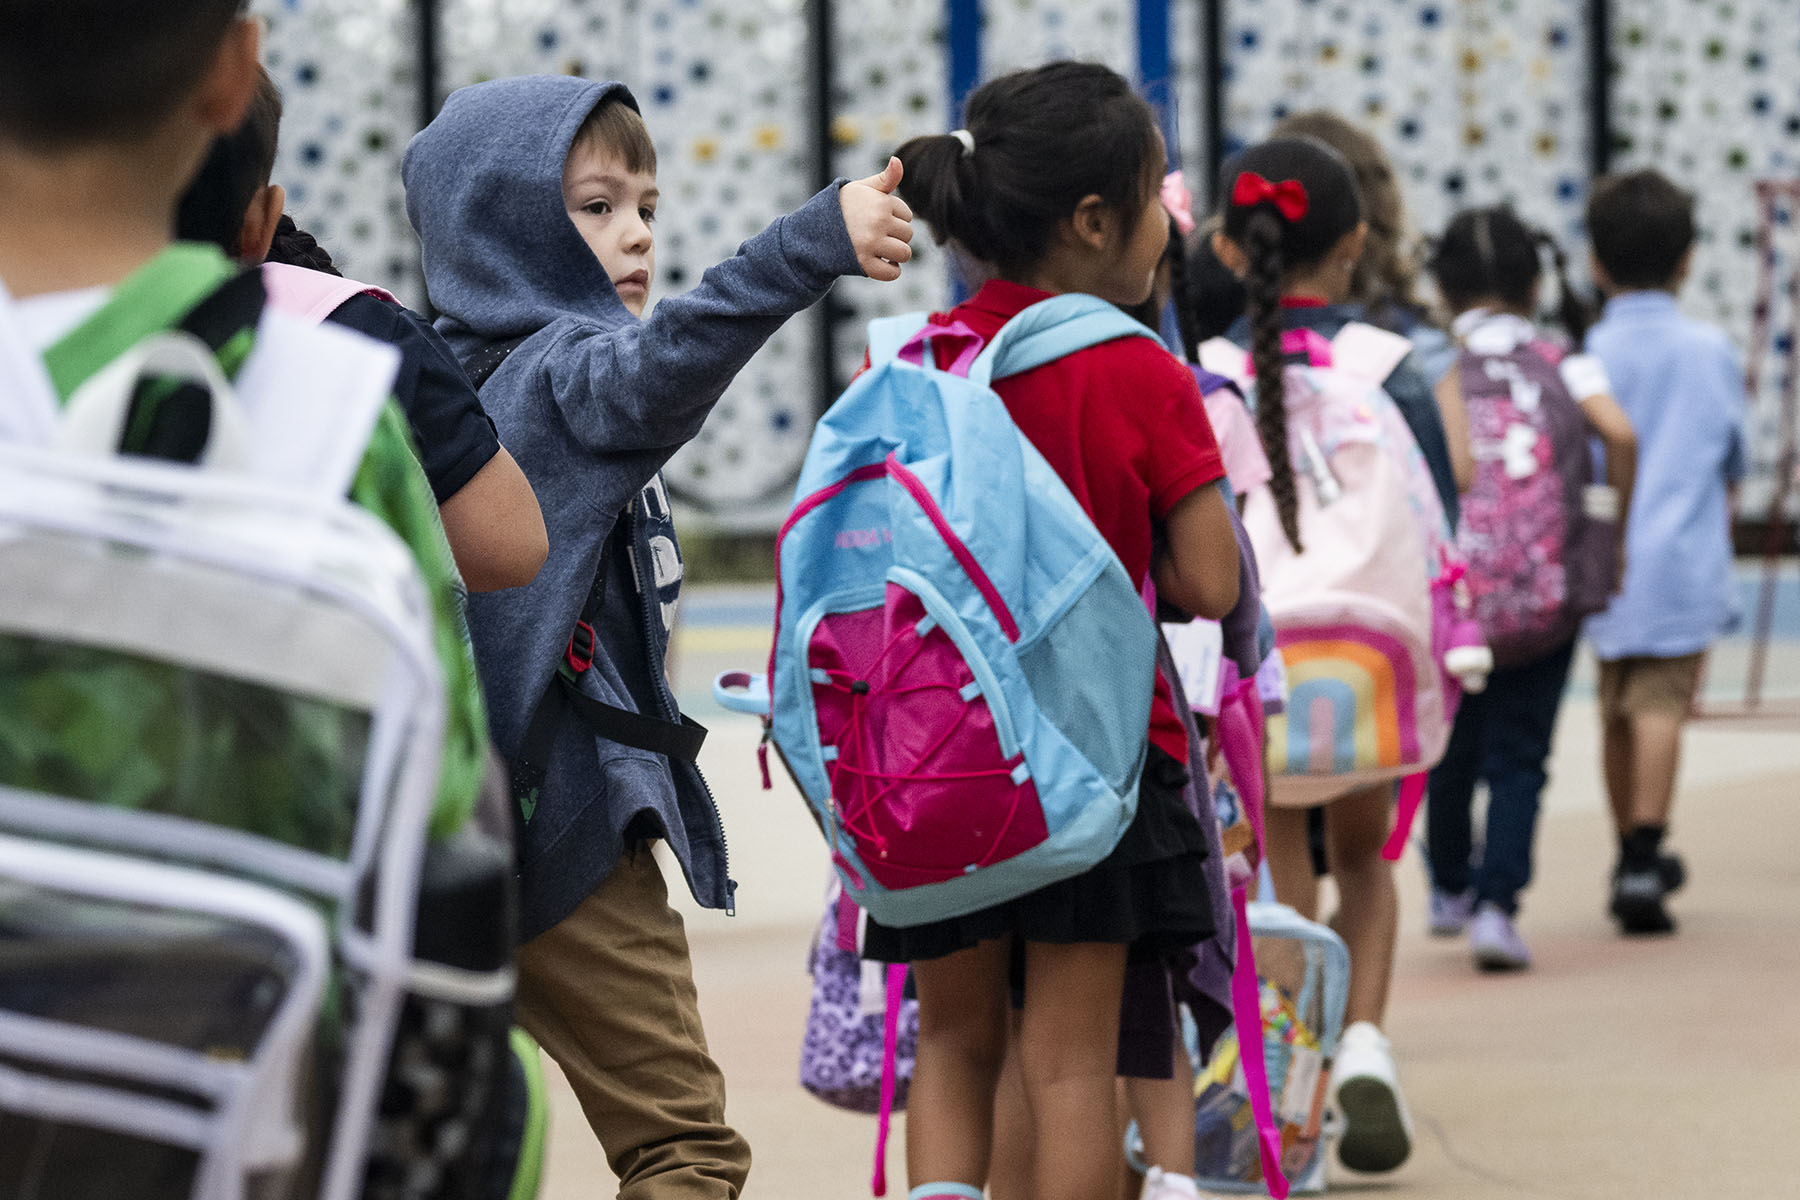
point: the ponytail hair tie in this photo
(967, 139)
(1288, 196)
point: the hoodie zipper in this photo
(646, 582)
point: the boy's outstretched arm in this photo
(646, 389)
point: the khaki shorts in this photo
(1632, 687)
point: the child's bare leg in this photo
(1164, 1110)
(1015, 1144)
(1620, 769)
(1069, 1047)
(1368, 902)
(1290, 861)
(962, 1041)
(1655, 755)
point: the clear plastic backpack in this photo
(230, 966)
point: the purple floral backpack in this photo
(862, 1033)
(1539, 540)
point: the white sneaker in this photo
(1365, 1090)
(1163, 1185)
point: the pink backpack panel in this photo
(312, 295)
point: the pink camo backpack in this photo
(1539, 559)
(1369, 618)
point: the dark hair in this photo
(297, 248)
(1044, 139)
(74, 72)
(239, 166)
(1641, 226)
(617, 128)
(1275, 244)
(1213, 296)
(1387, 274)
(1489, 253)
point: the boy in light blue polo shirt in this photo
(1680, 382)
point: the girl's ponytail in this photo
(1262, 286)
(1571, 310)
(296, 247)
(938, 184)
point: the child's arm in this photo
(646, 388)
(495, 527)
(1456, 429)
(1613, 428)
(1199, 572)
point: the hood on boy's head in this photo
(484, 191)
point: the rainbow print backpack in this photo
(962, 670)
(1365, 615)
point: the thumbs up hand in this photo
(879, 222)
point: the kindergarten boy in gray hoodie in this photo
(533, 199)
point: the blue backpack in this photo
(962, 670)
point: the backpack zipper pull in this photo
(1325, 484)
(762, 759)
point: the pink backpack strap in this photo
(1240, 733)
(890, 1053)
(1412, 795)
(313, 295)
(1367, 354)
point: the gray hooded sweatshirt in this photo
(591, 404)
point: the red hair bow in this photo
(1288, 196)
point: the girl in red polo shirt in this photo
(1053, 188)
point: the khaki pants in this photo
(609, 994)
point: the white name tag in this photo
(1198, 648)
(871, 992)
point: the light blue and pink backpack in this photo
(962, 670)
(1371, 619)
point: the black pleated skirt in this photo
(1149, 893)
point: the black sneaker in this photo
(1672, 871)
(1637, 900)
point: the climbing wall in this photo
(1477, 101)
(1708, 91)
(891, 82)
(346, 72)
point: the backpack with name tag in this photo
(962, 670)
(1539, 539)
(241, 958)
(1367, 615)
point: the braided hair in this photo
(297, 248)
(1489, 253)
(1276, 242)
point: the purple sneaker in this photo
(1495, 942)
(1450, 913)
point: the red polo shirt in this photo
(1124, 425)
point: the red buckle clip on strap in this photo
(580, 652)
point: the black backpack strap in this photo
(481, 364)
(172, 420)
(677, 740)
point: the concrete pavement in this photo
(1664, 1068)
